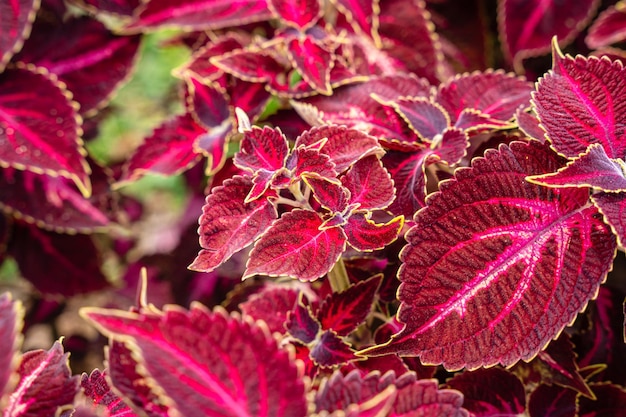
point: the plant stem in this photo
(338, 277)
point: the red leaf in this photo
(249, 65)
(408, 173)
(295, 246)
(168, 151)
(11, 322)
(365, 235)
(96, 388)
(526, 27)
(209, 364)
(39, 126)
(344, 311)
(493, 255)
(271, 305)
(303, 161)
(208, 104)
(529, 124)
(329, 194)
(609, 27)
(301, 324)
(552, 401)
(343, 145)
(46, 383)
(610, 401)
(330, 350)
(580, 102)
(196, 15)
(262, 149)
(369, 184)
(118, 7)
(427, 119)
(15, 24)
(228, 225)
(362, 15)
(313, 61)
(300, 14)
(490, 392)
(55, 263)
(592, 169)
(613, 208)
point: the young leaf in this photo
(609, 27)
(11, 321)
(552, 401)
(46, 383)
(295, 246)
(208, 363)
(369, 184)
(262, 149)
(344, 311)
(580, 102)
(496, 261)
(427, 119)
(96, 387)
(331, 350)
(300, 322)
(39, 126)
(362, 15)
(228, 224)
(15, 25)
(300, 14)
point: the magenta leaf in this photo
(613, 208)
(168, 151)
(495, 94)
(300, 14)
(332, 196)
(262, 149)
(490, 392)
(481, 246)
(15, 24)
(271, 304)
(46, 383)
(526, 27)
(580, 102)
(85, 55)
(249, 65)
(43, 138)
(57, 264)
(365, 235)
(369, 184)
(427, 119)
(343, 145)
(301, 324)
(96, 388)
(592, 169)
(118, 7)
(609, 27)
(610, 401)
(304, 161)
(228, 224)
(208, 104)
(552, 401)
(313, 61)
(529, 124)
(362, 15)
(295, 246)
(330, 350)
(208, 363)
(344, 311)
(11, 322)
(195, 15)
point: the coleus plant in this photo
(414, 238)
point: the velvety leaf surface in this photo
(613, 208)
(592, 169)
(313, 61)
(46, 383)
(369, 184)
(580, 102)
(301, 324)
(57, 264)
(427, 119)
(300, 14)
(365, 235)
(304, 161)
(84, 54)
(11, 316)
(208, 363)
(227, 224)
(262, 149)
(330, 350)
(490, 392)
(15, 23)
(96, 388)
(39, 126)
(346, 310)
(467, 279)
(272, 304)
(611, 401)
(53, 203)
(295, 246)
(609, 27)
(330, 195)
(552, 401)
(197, 15)
(527, 27)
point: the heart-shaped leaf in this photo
(427, 119)
(509, 252)
(580, 102)
(295, 246)
(15, 24)
(249, 65)
(220, 363)
(609, 27)
(362, 15)
(11, 321)
(39, 126)
(369, 184)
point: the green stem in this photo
(338, 277)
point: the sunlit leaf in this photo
(96, 387)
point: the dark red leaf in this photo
(552, 401)
(262, 149)
(168, 151)
(209, 364)
(11, 322)
(195, 15)
(369, 184)
(39, 126)
(580, 102)
(56, 263)
(249, 65)
(271, 305)
(365, 235)
(303, 161)
(490, 392)
(295, 246)
(610, 401)
(329, 194)
(85, 55)
(492, 256)
(46, 383)
(209, 104)
(609, 27)
(344, 311)
(427, 119)
(613, 208)
(15, 24)
(330, 350)
(300, 14)
(300, 322)
(593, 168)
(118, 7)
(228, 225)
(313, 61)
(96, 388)
(527, 27)
(407, 170)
